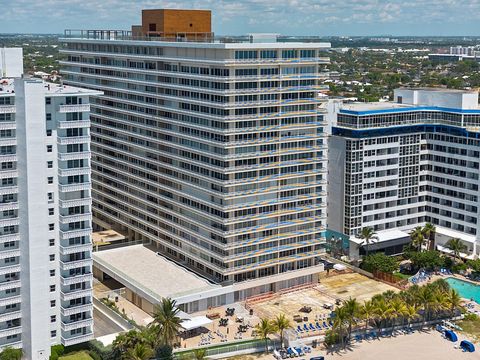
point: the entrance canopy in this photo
(195, 322)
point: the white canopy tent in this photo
(195, 322)
(339, 267)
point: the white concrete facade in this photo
(408, 164)
(45, 223)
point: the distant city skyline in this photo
(237, 17)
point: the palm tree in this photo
(126, 341)
(411, 313)
(418, 239)
(456, 246)
(264, 328)
(281, 323)
(368, 312)
(383, 312)
(398, 310)
(453, 300)
(352, 310)
(139, 352)
(368, 235)
(165, 316)
(429, 233)
(339, 321)
(425, 299)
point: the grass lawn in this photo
(81, 355)
(471, 327)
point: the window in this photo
(49, 132)
(49, 148)
(52, 288)
(48, 101)
(51, 227)
(52, 303)
(52, 272)
(49, 116)
(53, 318)
(245, 54)
(49, 164)
(52, 257)
(50, 179)
(51, 242)
(152, 27)
(51, 211)
(53, 333)
(268, 54)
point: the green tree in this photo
(352, 311)
(379, 262)
(10, 353)
(199, 354)
(341, 317)
(398, 310)
(281, 323)
(264, 328)
(139, 352)
(418, 238)
(383, 312)
(165, 315)
(456, 246)
(453, 300)
(429, 259)
(368, 235)
(367, 312)
(429, 233)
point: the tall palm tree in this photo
(139, 352)
(264, 328)
(368, 235)
(339, 322)
(429, 233)
(383, 312)
(425, 299)
(165, 315)
(456, 246)
(368, 312)
(398, 310)
(453, 300)
(200, 354)
(418, 239)
(411, 313)
(281, 323)
(352, 310)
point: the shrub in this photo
(331, 338)
(56, 351)
(379, 262)
(470, 317)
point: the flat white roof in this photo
(138, 267)
(7, 87)
(385, 235)
(455, 234)
(362, 106)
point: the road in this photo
(102, 325)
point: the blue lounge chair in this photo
(330, 323)
(311, 327)
(358, 337)
(290, 352)
(299, 329)
(299, 351)
(325, 326)
(305, 327)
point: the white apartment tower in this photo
(215, 152)
(45, 216)
(397, 165)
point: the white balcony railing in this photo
(68, 234)
(76, 309)
(76, 279)
(77, 324)
(73, 140)
(65, 219)
(77, 339)
(73, 124)
(74, 155)
(67, 250)
(76, 187)
(7, 109)
(75, 294)
(73, 108)
(75, 202)
(75, 264)
(11, 331)
(10, 285)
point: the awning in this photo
(462, 255)
(195, 322)
(339, 267)
(450, 335)
(467, 346)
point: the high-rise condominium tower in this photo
(213, 151)
(45, 216)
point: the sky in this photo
(237, 17)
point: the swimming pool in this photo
(466, 289)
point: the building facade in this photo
(45, 224)
(214, 152)
(400, 165)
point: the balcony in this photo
(8, 157)
(77, 324)
(76, 187)
(76, 309)
(67, 250)
(10, 316)
(11, 300)
(76, 279)
(73, 124)
(7, 109)
(9, 222)
(12, 284)
(68, 234)
(8, 206)
(75, 202)
(74, 294)
(65, 266)
(73, 108)
(77, 339)
(66, 219)
(9, 253)
(11, 331)
(73, 140)
(74, 155)
(74, 171)
(9, 269)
